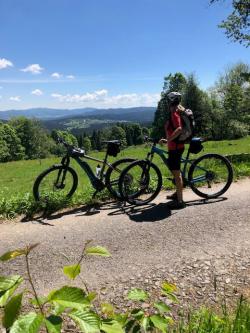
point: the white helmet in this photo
(174, 97)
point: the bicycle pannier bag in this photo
(113, 149)
(195, 146)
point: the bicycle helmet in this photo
(174, 97)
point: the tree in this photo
(118, 133)
(197, 100)
(86, 144)
(237, 23)
(172, 82)
(11, 148)
(33, 137)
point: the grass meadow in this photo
(17, 178)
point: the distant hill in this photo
(87, 119)
(43, 113)
(49, 114)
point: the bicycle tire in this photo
(210, 169)
(37, 187)
(113, 183)
(145, 182)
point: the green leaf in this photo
(137, 294)
(107, 309)
(29, 323)
(111, 326)
(70, 297)
(88, 321)
(9, 281)
(53, 324)
(72, 271)
(145, 323)
(41, 300)
(162, 307)
(97, 251)
(58, 309)
(11, 310)
(121, 318)
(173, 298)
(168, 288)
(91, 296)
(8, 285)
(137, 314)
(159, 322)
(13, 254)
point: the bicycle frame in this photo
(97, 182)
(162, 153)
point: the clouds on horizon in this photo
(103, 99)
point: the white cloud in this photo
(34, 69)
(37, 92)
(15, 98)
(70, 77)
(101, 98)
(4, 63)
(56, 75)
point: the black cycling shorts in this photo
(174, 159)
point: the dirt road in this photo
(206, 239)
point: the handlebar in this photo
(72, 150)
(148, 139)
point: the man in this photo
(173, 129)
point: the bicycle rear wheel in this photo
(140, 182)
(57, 181)
(113, 174)
(210, 175)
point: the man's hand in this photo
(163, 141)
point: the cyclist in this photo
(173, 128)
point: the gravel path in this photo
(203, 248)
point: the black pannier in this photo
(195, 146)
(113, 148)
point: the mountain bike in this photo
(209, 176)
(63, 180)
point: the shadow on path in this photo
(148, 213)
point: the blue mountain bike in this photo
(209, 176)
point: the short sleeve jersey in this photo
(170, 127)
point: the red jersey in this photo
(170, 127)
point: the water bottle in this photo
(98, 170)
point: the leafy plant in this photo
(84, 308)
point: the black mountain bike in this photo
(63, 180)
(209, 176)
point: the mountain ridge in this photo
(54, 113)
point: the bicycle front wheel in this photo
(140, 182)
(113, 174)
(210, 175)
(57, 181)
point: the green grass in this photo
(205, 320)
(17, 178)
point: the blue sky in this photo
(107, 53)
